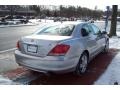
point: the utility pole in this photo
(11, 11)
(107, 17)
(113, 21)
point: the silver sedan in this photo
(61, 47)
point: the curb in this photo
(5, 26)
(8, 50)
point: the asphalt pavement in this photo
(10, 35)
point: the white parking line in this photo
(8, 50)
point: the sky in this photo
(101, 4)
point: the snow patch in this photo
(6, 81)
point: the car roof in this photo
(73, 22)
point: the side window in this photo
(85, 31)
(96, 30)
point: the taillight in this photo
(18, 45)
(60, 49)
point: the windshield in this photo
(61, 30)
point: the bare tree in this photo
(36, 8)
(113, 21)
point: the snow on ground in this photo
(30, 23)
(7, 81)
(46, 20)
(112, 74)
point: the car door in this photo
(100, 39)
(89, 39)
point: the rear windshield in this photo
(61, 30)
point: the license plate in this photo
(32, 48)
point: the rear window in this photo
(61, 30)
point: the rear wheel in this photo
(82, 65)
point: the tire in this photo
(82, 64)
(106, 49)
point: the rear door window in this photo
(85, 31)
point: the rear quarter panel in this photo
(75, 51)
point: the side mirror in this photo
(104, 32)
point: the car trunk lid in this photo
(41, 45)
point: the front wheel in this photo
(106, 49)
(82, 65)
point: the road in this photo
(10, 35)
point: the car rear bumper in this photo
(45, 64)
